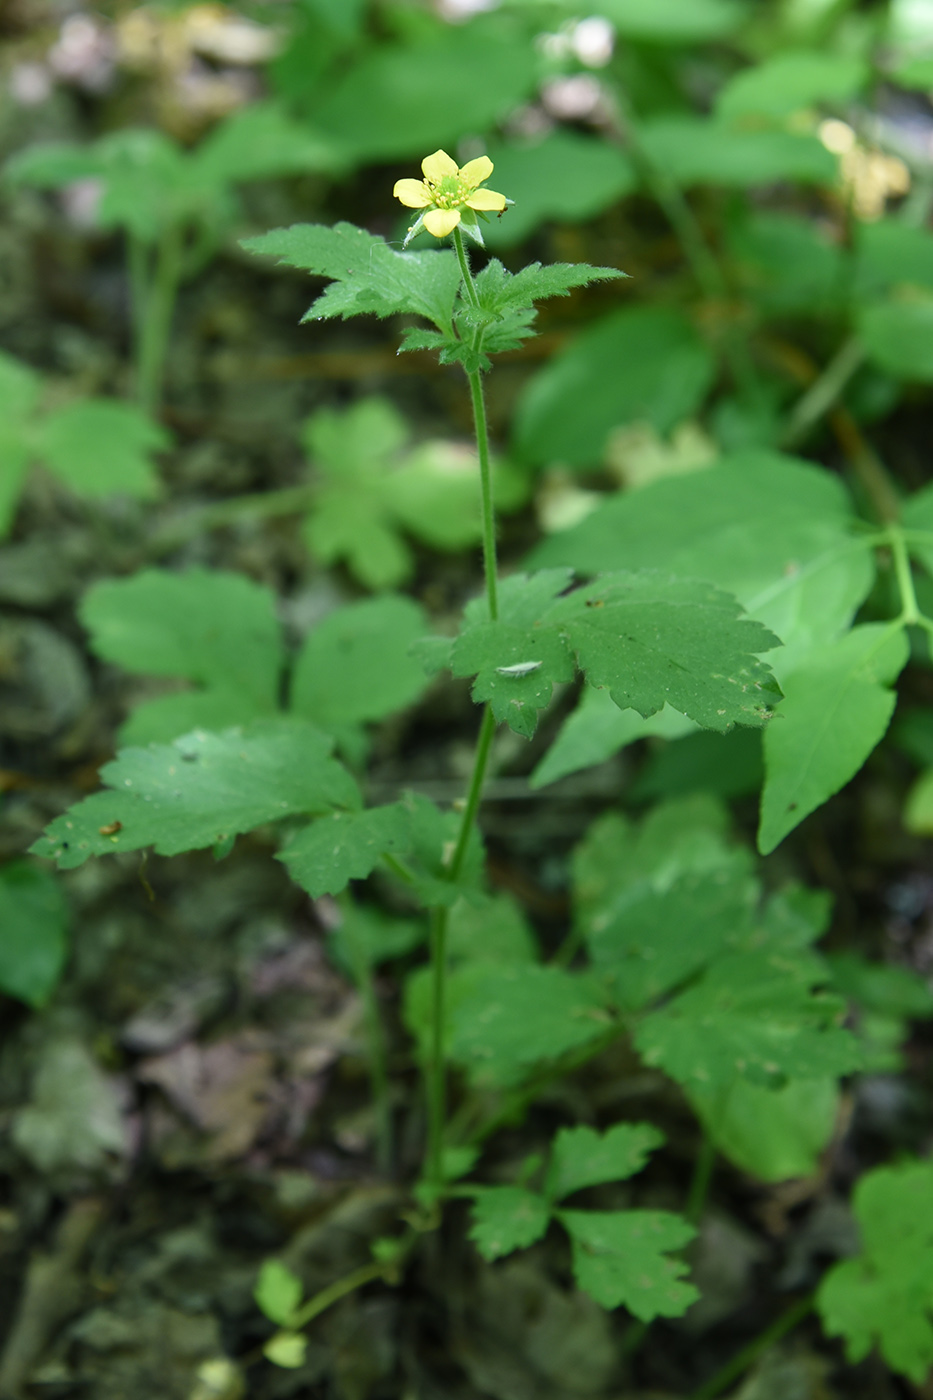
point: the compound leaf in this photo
(582, 1157)
(837, 709)
(345, 846)
(885, 1295)
(622, 1258)
(505, 1218)
(201, 790)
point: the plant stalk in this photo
(155, 317)
(747, 1357)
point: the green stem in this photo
(467, 275)
(490, 563)
(139, 269)
(824, 391)
(750, 1354)
(910, 608)
(157, 319)
(699, 1185)
(437, 1071)
(378, 1054)
(332, 1294)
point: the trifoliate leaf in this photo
(216, 629)
(33, 932)
(369, 276)
(648, 940)
(505, 1218)
(202, 789)
(885, 1295)
(100, 447)
(621, 1258)
(515, 1016)
(837, 709)
(345, 846)
(278, 1291)
(354, 666)
(582, 1157)
(753, 1014)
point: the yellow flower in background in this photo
(449, 195)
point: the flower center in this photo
(448, 193)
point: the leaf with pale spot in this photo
(623, 1258)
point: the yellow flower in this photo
(449, 195)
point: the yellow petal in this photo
(486, 199)
(440, 222)
(413, 193)
(476, 171)
(437, 166)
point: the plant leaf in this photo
(513, 1016)
(505, 1218)
(581, 1157)
(33, 932)
(278, 1291)
(885, 1295)
(837, 708)
(369, 276)
(752, 1014)
(345, 846)
(100, 447)
(200, 790)
(621, 1257)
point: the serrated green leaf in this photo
(278, 1291)
(433, 836)
(582, 1157)
(772, 1133)
(33, 932)
(646, 941)
(216, 629)
(369, 276)
(516, 670)
(506, 1218)
(622, 1258)
(774, 530)
(653, 640)
(200, 790)
(837, 708)
(514, 1016)
(345, 846)
(355, 665)
(885, 1295)
(503, 297)
(567, 410)
(752, 1014)
(101, 446)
